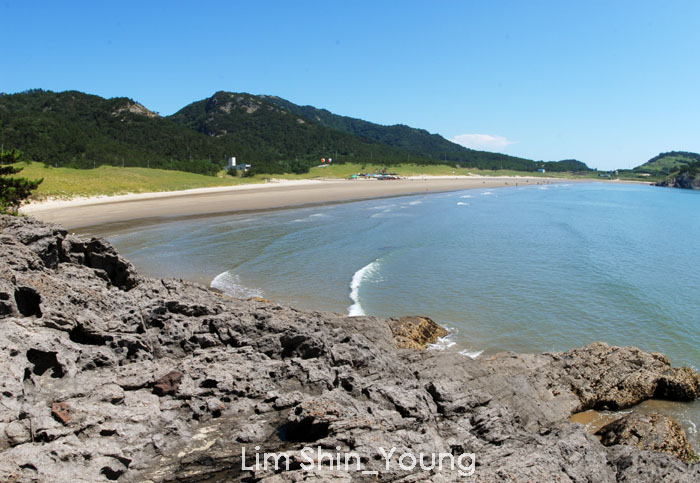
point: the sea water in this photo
(526, 269)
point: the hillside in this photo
(420, 143)
(665, 164)
(273, 139)
(73, 129)
(416, 141)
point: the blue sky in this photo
(611, 83)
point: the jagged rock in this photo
(685, 180)
(679, 384)
(415, 332)
(168, 384)
(653, 432)
(17, 433)
(61, 411)
(632, 465)
(105, 375)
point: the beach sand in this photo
(147, 208)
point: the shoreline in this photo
(145, 208)
(157, 351)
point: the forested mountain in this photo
(665, 164)
(415, 141)
(420, 143)
(275, 136)
(273, 139)
(81, 130)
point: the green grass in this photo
(109, 180)
(635, 176)
(667, 164)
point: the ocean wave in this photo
(442, 343)
(543, 188)
(417, 202)
(230, 284)
(486, 193)
(390, 214)
(361, 276)
(461, 203)
(315, 216)
(381, 207)
(467, 196)
(471, 354)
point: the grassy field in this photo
(109, 180)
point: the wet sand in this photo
(148, 208)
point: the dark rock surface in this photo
(109, 376)
(689, 181)
(653, 432)
(679, 383)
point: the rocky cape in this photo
(688, 177)
(685, 181)
(106, 375)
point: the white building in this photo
(232, 164)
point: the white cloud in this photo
(484, 142)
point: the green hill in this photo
(667, 163)
(73, 129)
(420, 143)
(273, 139)
(415, 141)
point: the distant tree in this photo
(13, 190)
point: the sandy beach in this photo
(146, 208)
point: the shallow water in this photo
(528, 269)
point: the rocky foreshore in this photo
(106, 375)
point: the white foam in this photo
(471, 354)
(358, 278)
(230, 284)
(487, 193)
(467, 196)
(543, 188)
(461, 203)
(311, 217)
(442, 343)
(389, 214)
(417, 202)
